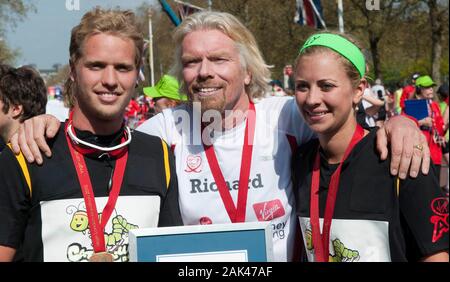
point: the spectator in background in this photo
(131, 113)
(379, 89)
(443, 97)
(443, 104)
(57, 108)
(288, 79)
(165, 94)
(397, 96)
(369, 109)
(132, 109)
(22, 95)
(144, 107)
(380, 93)
(409, 91)
(389, 100)
(277, 88)
(433, 125)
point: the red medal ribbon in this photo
(321, 241)
(236, 214)
(96, 224)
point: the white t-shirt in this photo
(370, 120)
(270, 195)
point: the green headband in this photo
(341, 45)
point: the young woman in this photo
(349, 206)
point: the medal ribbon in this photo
(96, 224)
(321, 241)
(236, 214)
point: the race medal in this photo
(320, 241)
(97, 225)
(101, 257)
(235, 213)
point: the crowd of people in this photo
(227, 151)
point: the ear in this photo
(172, 103)
(72, 73)
(247, 79)
(16, 111)
(359, 91)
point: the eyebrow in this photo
(101, 63)
(210, 55)
(188, 58)
(322, 80)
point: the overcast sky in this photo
(43, 37)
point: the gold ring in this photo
(419, 147)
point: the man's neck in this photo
(97, 126)
(10, 130)
(236, 116)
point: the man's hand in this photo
(409, 148)
(30, 138)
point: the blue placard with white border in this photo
(236, 242)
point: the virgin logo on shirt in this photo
(193, 164)
(439, 207)
(267, 211)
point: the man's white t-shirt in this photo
(279, 129)
(370, 120)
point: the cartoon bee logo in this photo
(79, 222)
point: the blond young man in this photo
(80, 205)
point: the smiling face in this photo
(105, 77)
(324, 92)
(427, 92)
(213, 72)
(79, 221)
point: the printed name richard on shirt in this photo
(198, 186)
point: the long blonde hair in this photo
(250, 55)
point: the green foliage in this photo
(10, 13)
(6, 54)
(401, 31)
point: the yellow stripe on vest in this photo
(23, 165)
(398, 186)
(166, 162)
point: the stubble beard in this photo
(214, 103)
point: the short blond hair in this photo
(250, 55)
(112, 21)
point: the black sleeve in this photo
(425, 211)
(2, 145)
(14, 200)
(170, 209)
